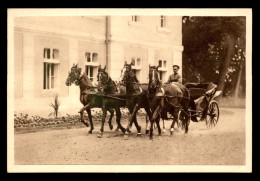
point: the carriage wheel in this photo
(212, 114)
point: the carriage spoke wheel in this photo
(212, 114)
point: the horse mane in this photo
(131, 82)
(110, 85)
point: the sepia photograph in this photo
(129, 90)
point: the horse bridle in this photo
(153, 77)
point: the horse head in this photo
(125, 72)
(153, 77)
(103, 79)
(74, 75)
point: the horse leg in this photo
(172, 125)
(132, 119)
(136, 108)
(155, 116)
(164, 130)
(81, 114)
(187, 121)
(151, 129)
(148, 120)
(104, 109)
(158, 125)
(85, 107)
(137, 126)
(90, 120)
(82, 119)
(110, 118)
(174, 120)
(118, 117)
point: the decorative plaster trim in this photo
(147, 44)
(94, 64)
(50, 31)
(162, 69)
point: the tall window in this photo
(136, 18)
(87, 57)
(91, 65)
(163, 22)
(162, 69)
(91, 71)
(136, 66)
(50, 68)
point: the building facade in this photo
(45, 48)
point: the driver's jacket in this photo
(174, 78)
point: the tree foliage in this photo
(209, 43)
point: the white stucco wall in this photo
(75, 35)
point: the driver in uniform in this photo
(175, 77)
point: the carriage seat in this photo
(199, 89)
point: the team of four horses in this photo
(156, 98)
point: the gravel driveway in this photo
(223, 145)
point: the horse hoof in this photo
(90, 132)
(139, 134)
(151, 138)
(139, 128)
(147, 131)
(164, 131)
(111, 127)
(127, 131)
(123, 130)
(85, 123)
(172, 130)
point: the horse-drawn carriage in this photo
(203, 105)
(189, 101)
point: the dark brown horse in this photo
(112, 97)
(168, 98)
(86, 95)
(136, 97)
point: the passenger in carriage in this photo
(175, 77)
(196, 77)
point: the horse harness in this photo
(161, 93)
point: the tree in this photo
(212, 46)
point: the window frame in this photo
(91, 63)
(136, 18)
(137, 68)
(162, 69)
(134, 23)
(47, 74)
(166, 28)
(163, 21)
